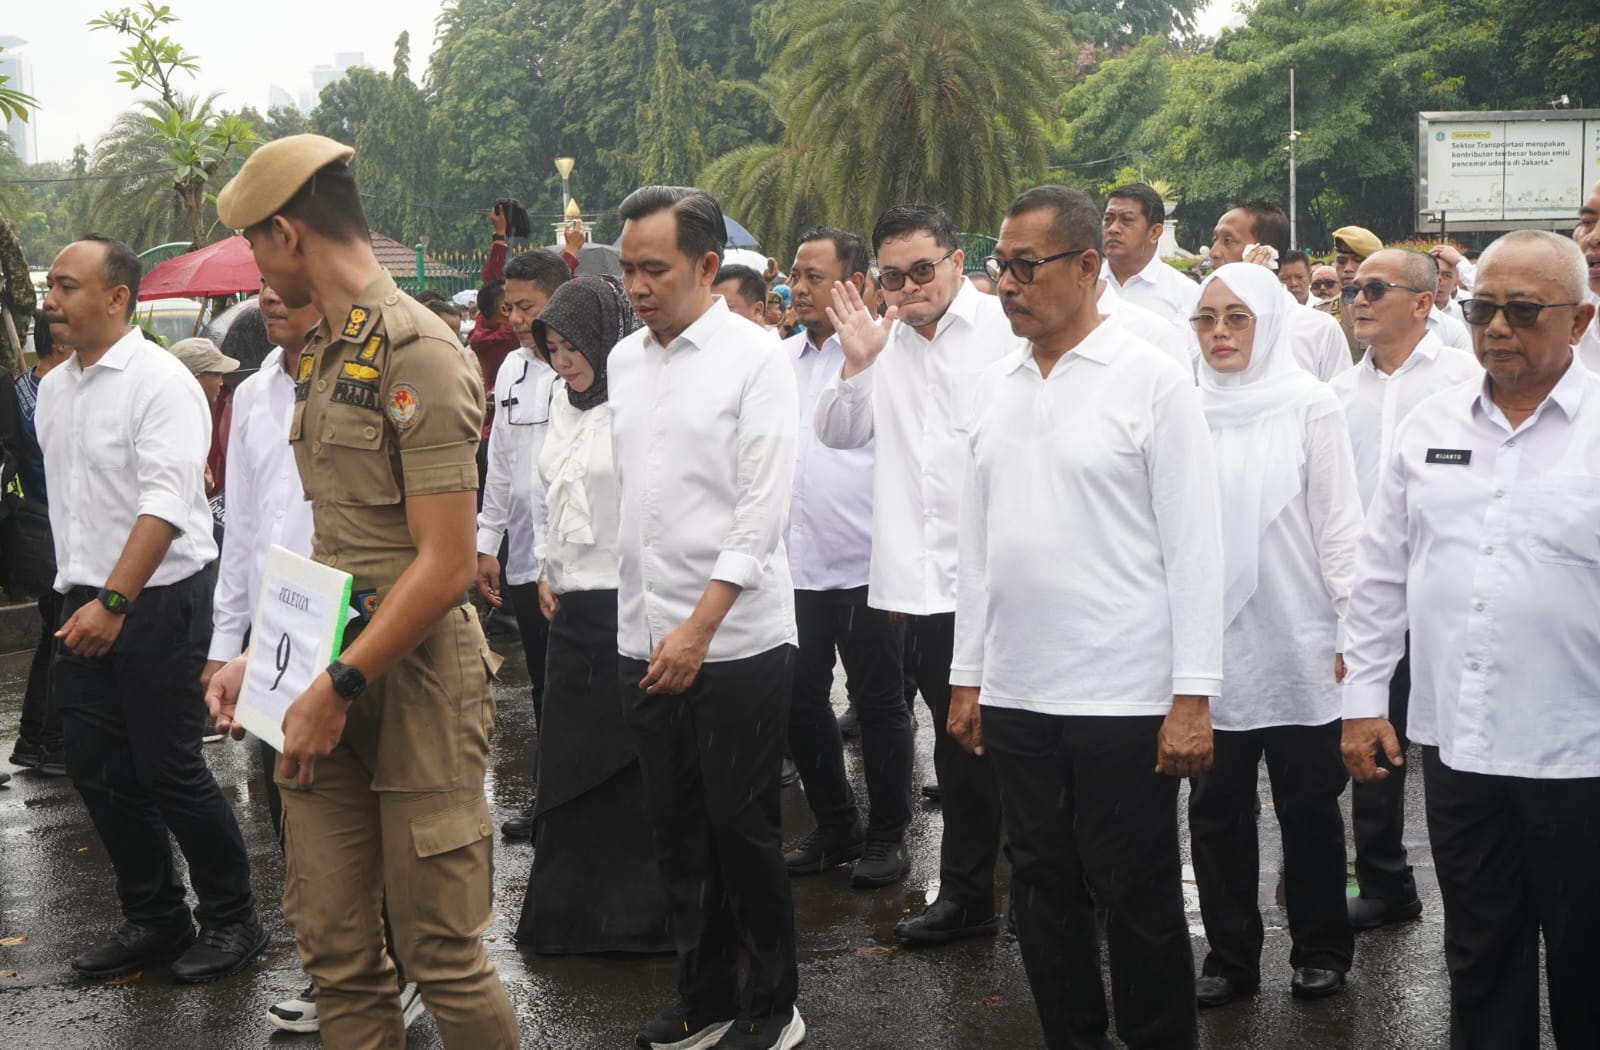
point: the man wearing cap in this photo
(382, 770)
(206, 363)
(1352, 245)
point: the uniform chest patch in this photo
(360, 372)
(362, 395)
(369, 352)
(403, 405)
(353, 323)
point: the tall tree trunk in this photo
(16, 296)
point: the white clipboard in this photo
(298, 628)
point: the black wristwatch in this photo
(115, 601)
(347, 681)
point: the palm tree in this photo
(888, 101)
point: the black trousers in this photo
(870, 645)
(1089, 821)
(1378, 809)
(133, 721)
(971, 793)
(534, 630)
(41, 722)
(1516, 856)
(711, 760)
(1307, 777)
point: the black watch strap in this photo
(348, 682)
(115, 601)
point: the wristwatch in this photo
(115, 601)
(347, 681)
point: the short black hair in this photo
(429, 295)
(701, 229)
(848, 248)
(1270, 224)
(1077, 221)
(491, 295)
(1148, 199)
(541, 266)
(44, 345)
(752, 285)
(902, 220)
(330, 204)
(442, 306)
(121, 266)
(1294, 257)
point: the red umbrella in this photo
(217, 269)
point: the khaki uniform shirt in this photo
(1336, 309)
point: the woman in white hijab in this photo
(1291, 519)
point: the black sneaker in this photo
(824, 849)
(221, 951)
(781, 1031)
(684, 1028)
(882, 863)
(52, 763)
(26, 755)
(134, 947)
(519, 827)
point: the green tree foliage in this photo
(1116, 25)
(887, 101)
(15, 104)
(395, 162)
(668, 129)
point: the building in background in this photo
(19, 73)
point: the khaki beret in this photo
(1357, 241)
(273, 174)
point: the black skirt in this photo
(595, 887)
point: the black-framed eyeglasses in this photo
(1326, 282)
(1022, 269)
(1235, 320)
(1520, 313)
(921, 272)
(1374, 290)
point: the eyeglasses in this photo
(1236, 321)
(1326, 282)
(1022, 269)
(1375, 290)
(921, 272)
(1519, 312)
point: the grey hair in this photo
(1570, 267)
(1418, 268)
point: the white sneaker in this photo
(295, 1015)
(411, 1002)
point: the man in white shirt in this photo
(1088, 630)
(513, 511)
(1318, 341)
(1402, 367)
(907, 384)
(744, 291)
(125, 431)
(1324, 285)
(703, 410)
(1133, 222)
(1482, 541)
(1294, 273)
(1587, 236)
(1449, 284)
(830, 549)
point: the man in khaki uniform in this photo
(1351, 246)
(383, 764)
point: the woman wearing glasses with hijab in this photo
(595, 886)
(1292, 518)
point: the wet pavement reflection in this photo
(859, 990)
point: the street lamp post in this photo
(1294, 239)
(564, 165)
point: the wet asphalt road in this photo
(858, 989)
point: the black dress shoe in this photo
(849, 724)
(519, 827)
(134, 947)
(1312, 983)
(1212, 991)
(826, 848)
(221, 951)
(789, 775)
(932, 793)
(946, 921)
(1369, 913)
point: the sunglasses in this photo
(1519, 312)
(921, 272)
(1022, 269)
(1375, 290)
(1236, 321)
(1326, 282)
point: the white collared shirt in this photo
(513, 499)
(1159, 288)
(123, 438)
(1148, 325)
(1278, 651)
(830, 517)
(1319, 343)
(1375, 403)
(1588, 348)
(1449, 331)
(912, 400)
(579, 479)
(266, 501)
(1483, 543)
(1091, 544)
(703, 431)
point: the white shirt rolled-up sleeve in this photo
(767, 435)
(171, 435)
